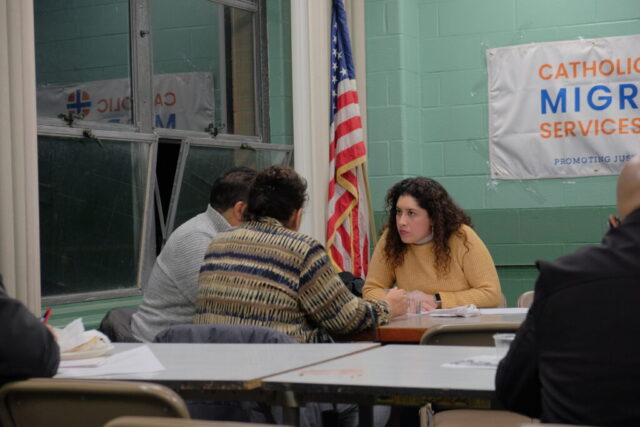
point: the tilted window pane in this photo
(91, 209)
(82, 60)
(205, 164)
(203, 63)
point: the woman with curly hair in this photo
(430, 249)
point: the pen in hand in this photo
(46, 315)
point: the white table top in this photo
(395, 369)
(241, 365)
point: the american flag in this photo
(348, 223)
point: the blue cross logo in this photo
(78, 105)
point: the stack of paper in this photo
(469, 310)
(76, 343)
(138, 360)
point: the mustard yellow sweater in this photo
(472, 276)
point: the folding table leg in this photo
(290, 409)
(365, 415)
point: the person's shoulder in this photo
(198, 227)
(468, 230)
(587, 263)
(301, 239)
(465, 234)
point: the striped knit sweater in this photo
(264, 274)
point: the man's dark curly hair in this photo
(446, 219)
(276, 192)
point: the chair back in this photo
(174, 422)
(116, 324)
(222, 334)
(476, 334)
(503, 301)
(525, 300)
(51, 402)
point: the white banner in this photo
(564, 109)
(181, 101)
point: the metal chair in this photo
(503, 301)
(174, 422)
(475, 334)
(525, 300)
(480, 418)
(51, 402)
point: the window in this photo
(141, 105)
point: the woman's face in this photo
(413, 222)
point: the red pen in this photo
(46, 315)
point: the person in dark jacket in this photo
(27, 346)
(575, 359)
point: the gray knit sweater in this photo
(171, 292)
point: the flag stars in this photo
(343, 72)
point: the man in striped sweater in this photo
(266, 273)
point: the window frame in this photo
(130, 137)
(143, 131)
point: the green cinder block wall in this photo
(427, 115)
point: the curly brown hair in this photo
(446, 219)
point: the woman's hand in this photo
(398, 301)
(430, 302)
(419, 302)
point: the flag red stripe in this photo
(347, 98)
(350, 154)
(348, 126)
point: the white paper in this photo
(74, 335)
(479, 362)
(469, 310)
(83, 363)
(511, 310)
(138, 360)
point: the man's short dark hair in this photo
(276, 192)
(232, 187)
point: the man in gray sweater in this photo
(171, 292)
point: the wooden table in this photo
(411, 327)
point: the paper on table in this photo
(74, 335)
(481, 362)
(469, 310)
(138, 360)
(83, 363)
(505, 310)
